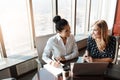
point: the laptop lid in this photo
(89, 68)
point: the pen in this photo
(85, 60)
(86, 56)
(59, 62)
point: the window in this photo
(0, 52)
(89, 11)
(42, 10)
(14, 21)
(81, 17)
(65, 10)
(103, 9)
(95, 11)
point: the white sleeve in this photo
(47, 52)
(74, 52)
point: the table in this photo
(112, 73)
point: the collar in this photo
(58, 36)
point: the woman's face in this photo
(65, 32)
(96, 32)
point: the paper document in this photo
(55, 71)
(80, 60)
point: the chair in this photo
(118, 62)
(40, 45)
(115, 61)
(39, 64)
(9, 79)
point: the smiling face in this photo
(96, 32)
(100, 30)
(65, 32)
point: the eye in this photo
(95, 29)
(67, 31)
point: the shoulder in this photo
(90, 38)
(112, 38)
(72, 36)
(52, 39)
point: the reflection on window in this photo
(81, 17)
(98, 9)
(65, 10)
(42, 10)
(1, 57)
(2, 61)
(103, 9)
(0, 52)
(15, 26)
(95, 10)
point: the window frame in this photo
(56, 12)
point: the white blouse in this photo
(56, 48)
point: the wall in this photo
(116, 28)
(19, 69)
(5, 73)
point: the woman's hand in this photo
(55, 63)
(87, 58)
(61, 58)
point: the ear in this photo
(58, 31)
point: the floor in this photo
(28, 76)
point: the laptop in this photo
(96, 68)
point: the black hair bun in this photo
(56, 19)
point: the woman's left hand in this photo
(88, 59)
(61, 58)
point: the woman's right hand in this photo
(85, 55)
(55, 63)
(87, 58)
(61, 58)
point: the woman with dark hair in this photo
(100, 45)
(62, 45)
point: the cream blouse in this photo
(56, 48)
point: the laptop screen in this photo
(89, 68)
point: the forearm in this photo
(103, 60)
(72, 55)
(46, 58)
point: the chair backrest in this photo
(116, 51)
(40, 45)
(9, 79)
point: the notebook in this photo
(55, 71)
(89, 68)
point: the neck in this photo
(98, 38)
(64, 38)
